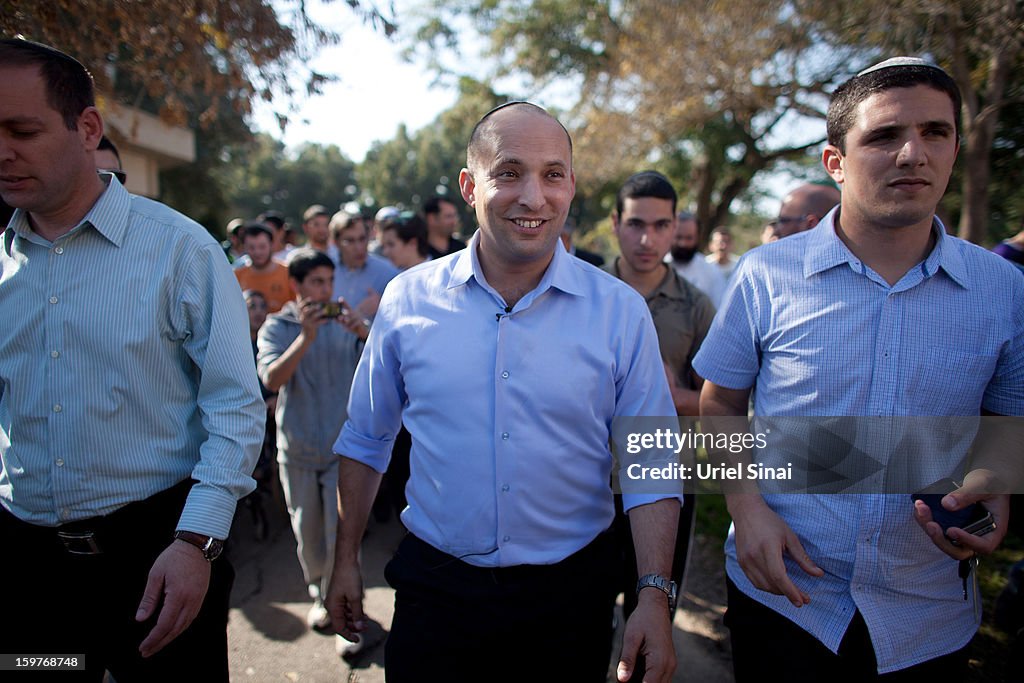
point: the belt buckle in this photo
(80, 542)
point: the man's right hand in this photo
(311, 317)
(761, 539)
(345, 601)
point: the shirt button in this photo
(504, 375)
(65, 513)
(60, 462)
(504, 436)
(57, 408)
(505, 538)
(505, 488)
(55, 354)
(59, 250)
(53, 299)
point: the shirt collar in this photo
(561, 273)
(668, 287)
(109, 215)
(825, 250)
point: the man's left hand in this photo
(175, 590)
(649, 632)
(367, 308)
(974, 490)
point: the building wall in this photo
(147, 145)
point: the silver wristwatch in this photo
(666, 586)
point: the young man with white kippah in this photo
(878, 312)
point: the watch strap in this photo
(210, 547)
(666, 586)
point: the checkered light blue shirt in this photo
(821, 334)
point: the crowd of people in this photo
(479, 381)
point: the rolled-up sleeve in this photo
(377, 396)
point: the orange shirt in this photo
(272, 284)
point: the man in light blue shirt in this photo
(507, 362)
(874, 312)
(361, 276)
(125, 376)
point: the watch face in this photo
(213, 549)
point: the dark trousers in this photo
(55, 602)
(458, 623)
(768, 646)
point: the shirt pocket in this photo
(948, 382)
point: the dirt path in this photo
(269, 641)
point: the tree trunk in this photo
(974, 214)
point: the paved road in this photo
(269, 641)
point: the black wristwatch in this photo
(666, 586)
(211, 547)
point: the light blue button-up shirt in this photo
(510, 413)
(822, 334)
(125, 368)
(311, 404)
(354, 285)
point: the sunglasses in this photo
(120, 175)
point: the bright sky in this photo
(374, 93)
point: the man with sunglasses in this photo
(108, 159)
(804, 207)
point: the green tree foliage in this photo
(706, 91)
(410, 168)
(191, 56)
(264, 176)
(714, 92)
(197, 63)
(981, 44)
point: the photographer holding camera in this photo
(308, 351)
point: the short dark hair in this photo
(275, 218)
(645, 184)
(107, 143)
(842, 107)
(408, 226)
(302, 262)
(314, 211)
(433, 205)
(69, 85)
(482, 127)
(255, 230)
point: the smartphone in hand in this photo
(332, 309)
(974, 519)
